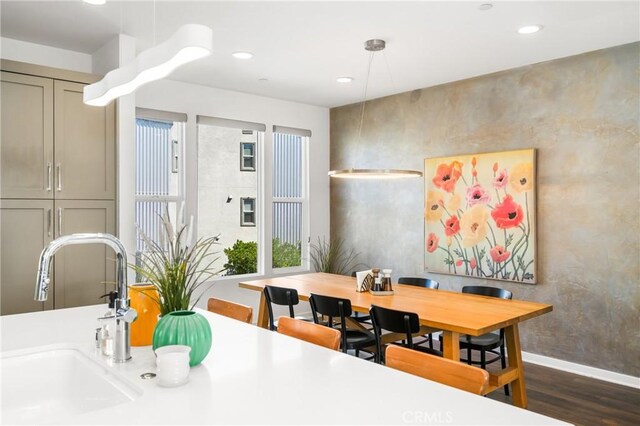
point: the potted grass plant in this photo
(333, 257)
(180, 269)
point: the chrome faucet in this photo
(124, 315)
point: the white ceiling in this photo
(301, 47)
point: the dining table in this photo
(452, 313)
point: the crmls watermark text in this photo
(427, 417)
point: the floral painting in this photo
(480, 215)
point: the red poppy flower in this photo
(472, 263)
(451, 226)
(447, 176)
(459, 262)
(432, 242)
(507, 214)
(499, 254)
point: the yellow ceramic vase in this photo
(143, 299)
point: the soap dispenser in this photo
(105, 338)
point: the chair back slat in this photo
(419, 282)
(487, 291)
(309, 332)
(230, 309)
(441, 370)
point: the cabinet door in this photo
(84, 146)
(26, 136)
(84, 272)
(27, 227)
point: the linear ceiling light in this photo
(189, 43)
(372, 46)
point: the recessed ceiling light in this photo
(344, 79)
(242, 55)
(95, 2)
(529, 29)
(263, 80)
(485, 6)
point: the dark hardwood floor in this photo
(578, 399)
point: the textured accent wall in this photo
(582, 115)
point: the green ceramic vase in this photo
(184, 328)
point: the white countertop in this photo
(255, 376)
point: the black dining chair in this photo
(488, 342)
(334, 307)
(396, 322)
(426, 283)
(280, 296)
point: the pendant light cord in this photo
(364, 100)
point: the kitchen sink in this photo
(49, 384)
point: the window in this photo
(247, 156)
(159, 170)
(290, 234)
(226, 191)
(248, 212)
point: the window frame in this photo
(305, 239)
(177, 159)
(243, 212)
(252, 168)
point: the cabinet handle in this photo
(49, 221)
(59, 221)
(49, 177)
(59, 173)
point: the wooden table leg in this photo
(451, 345)
(263, 314)
(512, 337)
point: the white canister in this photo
(173, 365)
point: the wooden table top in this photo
(439, 309)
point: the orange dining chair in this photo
(230, 309)
(309, 332)
(441, 370)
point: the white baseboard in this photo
(583, 370)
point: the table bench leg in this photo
(263, 314)
(512, 337)
(451, 345)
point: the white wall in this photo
(22, 51)
(199, 100)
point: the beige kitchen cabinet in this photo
(26, 227)
(26, 144)
(58, 177)
(80, 274)
(84, 272)
(84, 146)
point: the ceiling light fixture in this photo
(529, 29)
(189, 43)
(95, 2)
(372, 46)
(242, 55)
(344, 79)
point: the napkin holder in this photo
(364, 281)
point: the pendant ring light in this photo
(373, 45)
